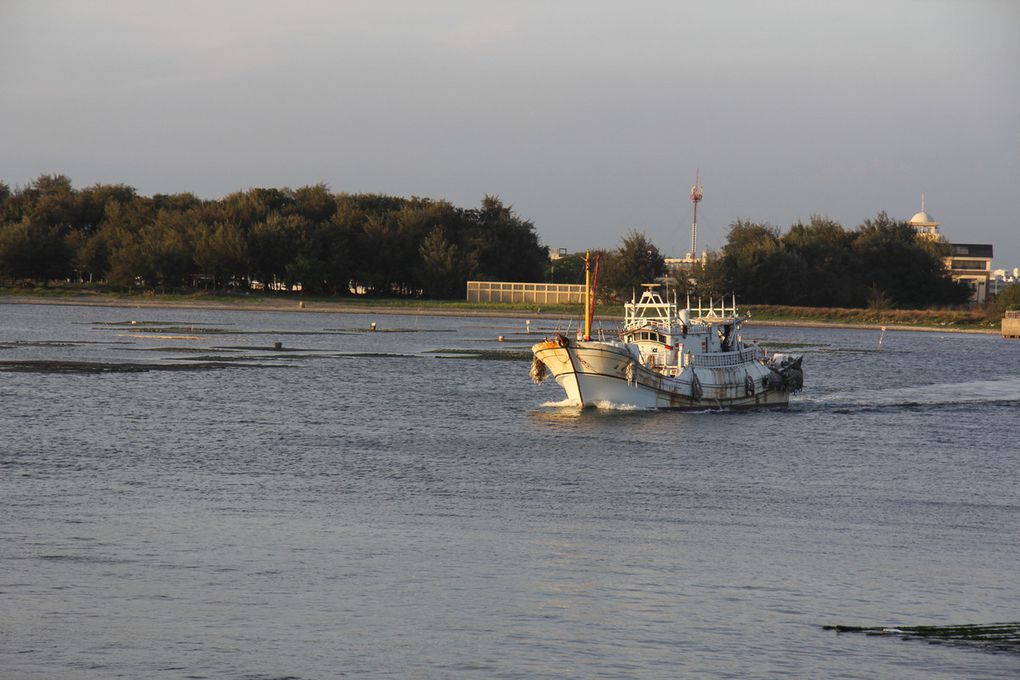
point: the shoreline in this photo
(326, 307)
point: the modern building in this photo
(972, 264)
(967, 262)
(685, 264)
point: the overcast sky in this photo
(590, 118)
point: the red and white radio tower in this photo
(696, 195)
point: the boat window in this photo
(651, 337)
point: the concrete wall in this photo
(509, 291)
(1011, 325)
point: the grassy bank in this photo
(976, 319)
(278, 301)
(947, 319)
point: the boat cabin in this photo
(668, 339)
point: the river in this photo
(355, 504)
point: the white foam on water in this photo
(566, 403)
(613, 406)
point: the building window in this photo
(969, 264)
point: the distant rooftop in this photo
(971, 249)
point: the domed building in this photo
(967, 262)
(925, 225)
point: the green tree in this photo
(703, 280)
(889, 258)
(636, 261)
(272, 245)
(314, 203)
(92, 255)
(221, 253)
(176, 203)
(34, 250)
(52, 201)
(114, 251)
(322, 263)
(7, 206)
(164, 250)
(749, 262)
(567, 269)
(445, 268)
(824, 273)
(129, 263)
(93, 202)
(504, 246)
(1008, 298)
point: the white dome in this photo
(922, 218)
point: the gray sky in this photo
(590, 118)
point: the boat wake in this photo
(566, 403)
(1004, 390)
(606, 405)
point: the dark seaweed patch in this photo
(483, 354)
(996, 637)
(98, 367)
(175, 350)
(390, 330)
(192, 330)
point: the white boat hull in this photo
(607, 374)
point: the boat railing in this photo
(724, 359)
(713, 310)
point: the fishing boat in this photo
(666, 357)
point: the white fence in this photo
(543, 293)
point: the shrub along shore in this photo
(949, 320)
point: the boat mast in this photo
(587, 295)
(591, 277)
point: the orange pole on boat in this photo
(587, 295)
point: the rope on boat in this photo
(788, 377)
(696, 390)
(539, 372)
(748, 385)
(794, 375)
(630, 373)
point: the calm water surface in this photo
(360, 507)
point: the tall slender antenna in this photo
(696, 195)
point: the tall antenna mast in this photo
(696, 195)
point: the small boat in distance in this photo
(665, 357)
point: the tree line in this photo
(329, 243)
(881, 263)
(336, 243)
